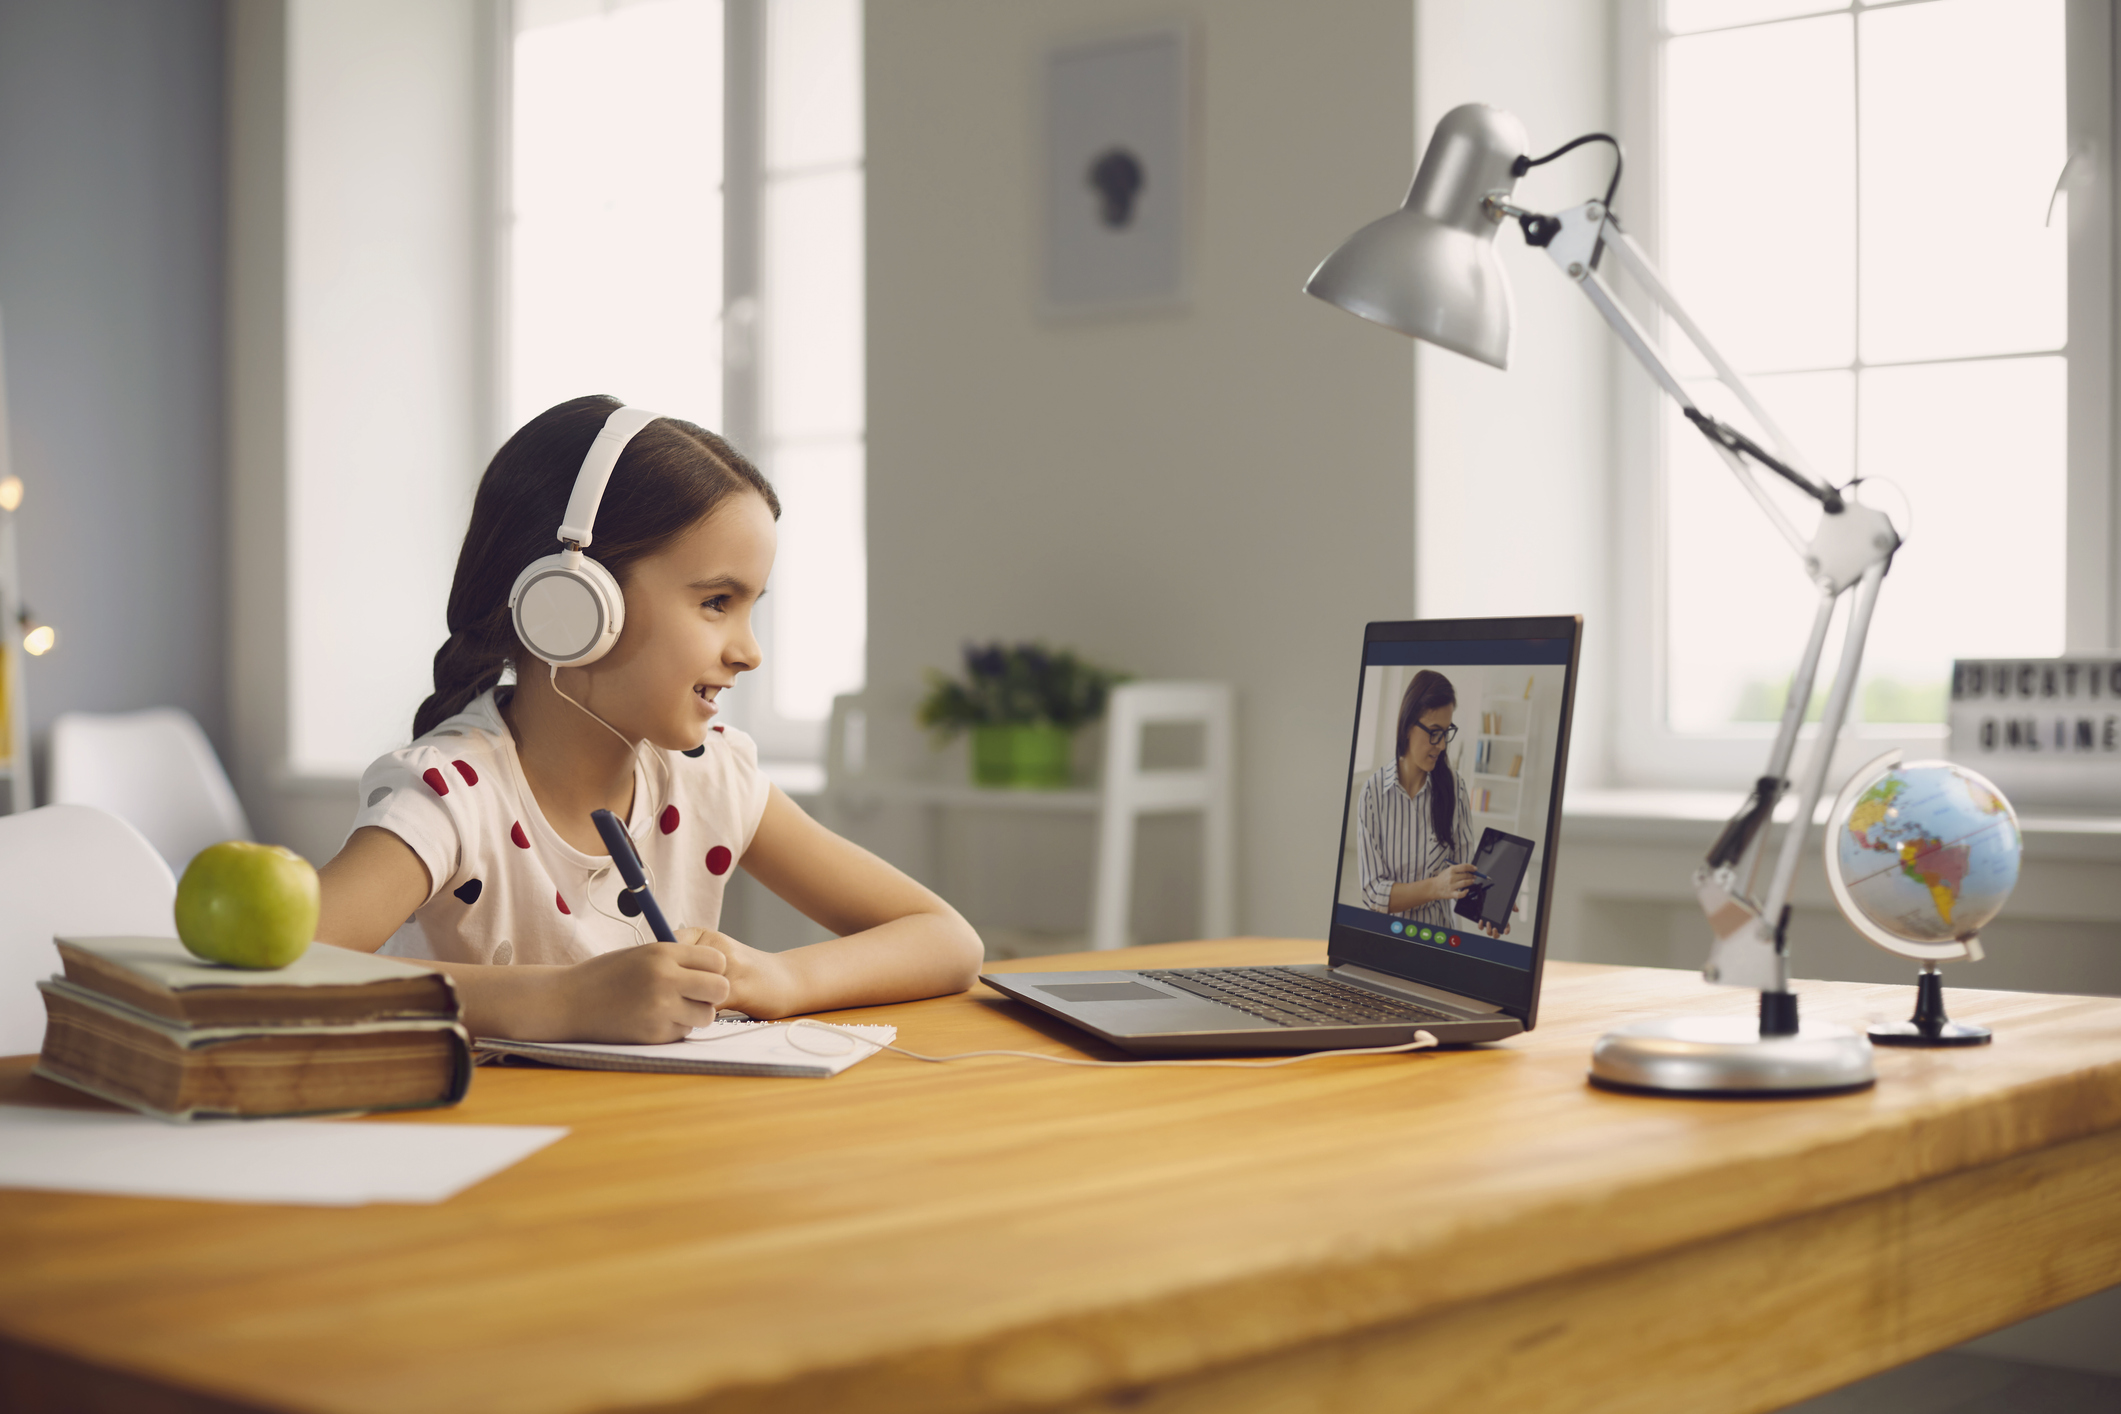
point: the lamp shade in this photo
(1430, 268)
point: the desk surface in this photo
(999, 1234)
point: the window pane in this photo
(813, 306)
(1760, 181)
(1683, 16)
(813, 83)
(616, 256)
(1979, 450)
(1963, 137)
(820, 578)
(1737, 603)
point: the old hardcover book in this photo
(251, 1071)
(325, 984)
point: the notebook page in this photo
(731, 1047)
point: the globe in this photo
(1921, 856)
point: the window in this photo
(686, 233)
(1853, 200)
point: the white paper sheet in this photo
(314, 1162)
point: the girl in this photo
(474, 846)
(1414, 819)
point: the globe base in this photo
(1929, 1026)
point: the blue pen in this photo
(621, 846)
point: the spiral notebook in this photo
(729, 1047)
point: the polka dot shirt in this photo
(509, 889)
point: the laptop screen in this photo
(1461, 735)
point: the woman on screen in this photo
(1414, 821)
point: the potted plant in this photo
(1023, 706)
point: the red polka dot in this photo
(718, 860)
(471, 777)
(515, 832)
(561, 902)
(434, 781)
(718, 728)
(670, 818)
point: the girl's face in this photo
(688, 627)
(1421, 751)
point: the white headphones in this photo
(567, 608)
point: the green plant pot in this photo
(1025, 758)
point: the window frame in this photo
(744, 177)
(1646, 750)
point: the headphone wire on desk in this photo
(1422, 1041)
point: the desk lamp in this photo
(1430, 270)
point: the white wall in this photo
(1514, 471)
(388, 254)
(360, 206)
(1221, 492)
(110, 283)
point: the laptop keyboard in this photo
(1289, 998)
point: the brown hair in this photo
(1428, 691)
(670, 475)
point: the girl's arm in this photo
(657, 992)
(897, 939)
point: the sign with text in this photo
(2046, 730)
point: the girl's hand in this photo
(759, 984)
(1452, 882)
(653, 993)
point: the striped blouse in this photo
(1397, 844)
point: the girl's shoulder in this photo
(456, 752)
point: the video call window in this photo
(1446, 824)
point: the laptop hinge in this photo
(1400, 986)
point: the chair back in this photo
(155, 770)
(74, 871)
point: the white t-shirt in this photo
(508, 889)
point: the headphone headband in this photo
(566, 607)
(611, 439)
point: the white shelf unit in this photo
(1127, 791)
(1500, 760)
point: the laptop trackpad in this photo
(1107, 992)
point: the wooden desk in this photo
(1471, 1229)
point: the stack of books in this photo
(143, 1023)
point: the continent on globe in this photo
(1938, 867)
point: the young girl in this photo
(475, 848)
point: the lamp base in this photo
(1727, 1057)
(1929, 1026)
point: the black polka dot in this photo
(700, 750)
(377, 794)
(470, 892)
(629, 903)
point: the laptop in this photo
(1403, 955)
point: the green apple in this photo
(247, 905)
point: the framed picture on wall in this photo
(1115, 178)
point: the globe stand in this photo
(1929, 1026)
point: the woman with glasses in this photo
(1414, 820)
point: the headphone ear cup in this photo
(568, 609)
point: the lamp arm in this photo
(1852, 548)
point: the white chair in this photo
(1126, 792)
(69, 870)
(153, 769)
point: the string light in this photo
(40, 640)
(10, 493)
